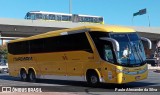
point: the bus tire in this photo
(31, 76)
(23, 75)
(92, 79)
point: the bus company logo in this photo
(22, 58)
(6, 89)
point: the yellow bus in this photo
(109, 54)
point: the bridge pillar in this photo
(3, 42)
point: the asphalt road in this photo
(150, 85)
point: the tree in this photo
(3, 52)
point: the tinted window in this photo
(66, 18)
(104, 48)
(51, 17)
(36, 46)
(73, 42)
(28, 16)
(67, 43)
(58, 17)
(18, 48)
(45, 16)
(97, 35)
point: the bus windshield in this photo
(131, 51)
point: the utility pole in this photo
(70, 6)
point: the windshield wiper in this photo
(132, 52)
(140, 57)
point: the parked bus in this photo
(90, 53)
(54, 16)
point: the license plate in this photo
(137, 77)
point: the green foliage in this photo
(3, 52)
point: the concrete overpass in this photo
(24, 28)
(153, 33)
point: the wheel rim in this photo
(24, 76)
(94, 79)
(32, 76)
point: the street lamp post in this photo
(70, 6)
(149, 22)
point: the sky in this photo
(115, 12)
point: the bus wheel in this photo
(23, 75)
(93, 79)
(32, 76)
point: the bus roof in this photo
(100, 28)
(43, 12)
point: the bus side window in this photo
(33, 17)
(108, 53)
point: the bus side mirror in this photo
(113, 41)
(147, 40)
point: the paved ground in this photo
(58, 87)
